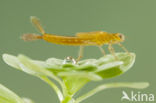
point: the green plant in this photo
(70, 76)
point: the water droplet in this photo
(69, 60)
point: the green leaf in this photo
(11, 60)
(140, 85)
(108, 67)
(87, 68)
(28, 66)
(7, 96)
(75, 76)
(86, 75)
(76, 80)
(73, 84)
(27, 100)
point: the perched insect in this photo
(96, 38)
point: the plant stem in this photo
(111, 85)
(68, 99)
(58, 80)
(53, 85)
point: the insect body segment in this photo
(101, 38)
(75, 41)
(96, 38)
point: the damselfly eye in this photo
(121, 36)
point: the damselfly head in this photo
(121, 37)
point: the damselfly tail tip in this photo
(33, 17)
(30, 37)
